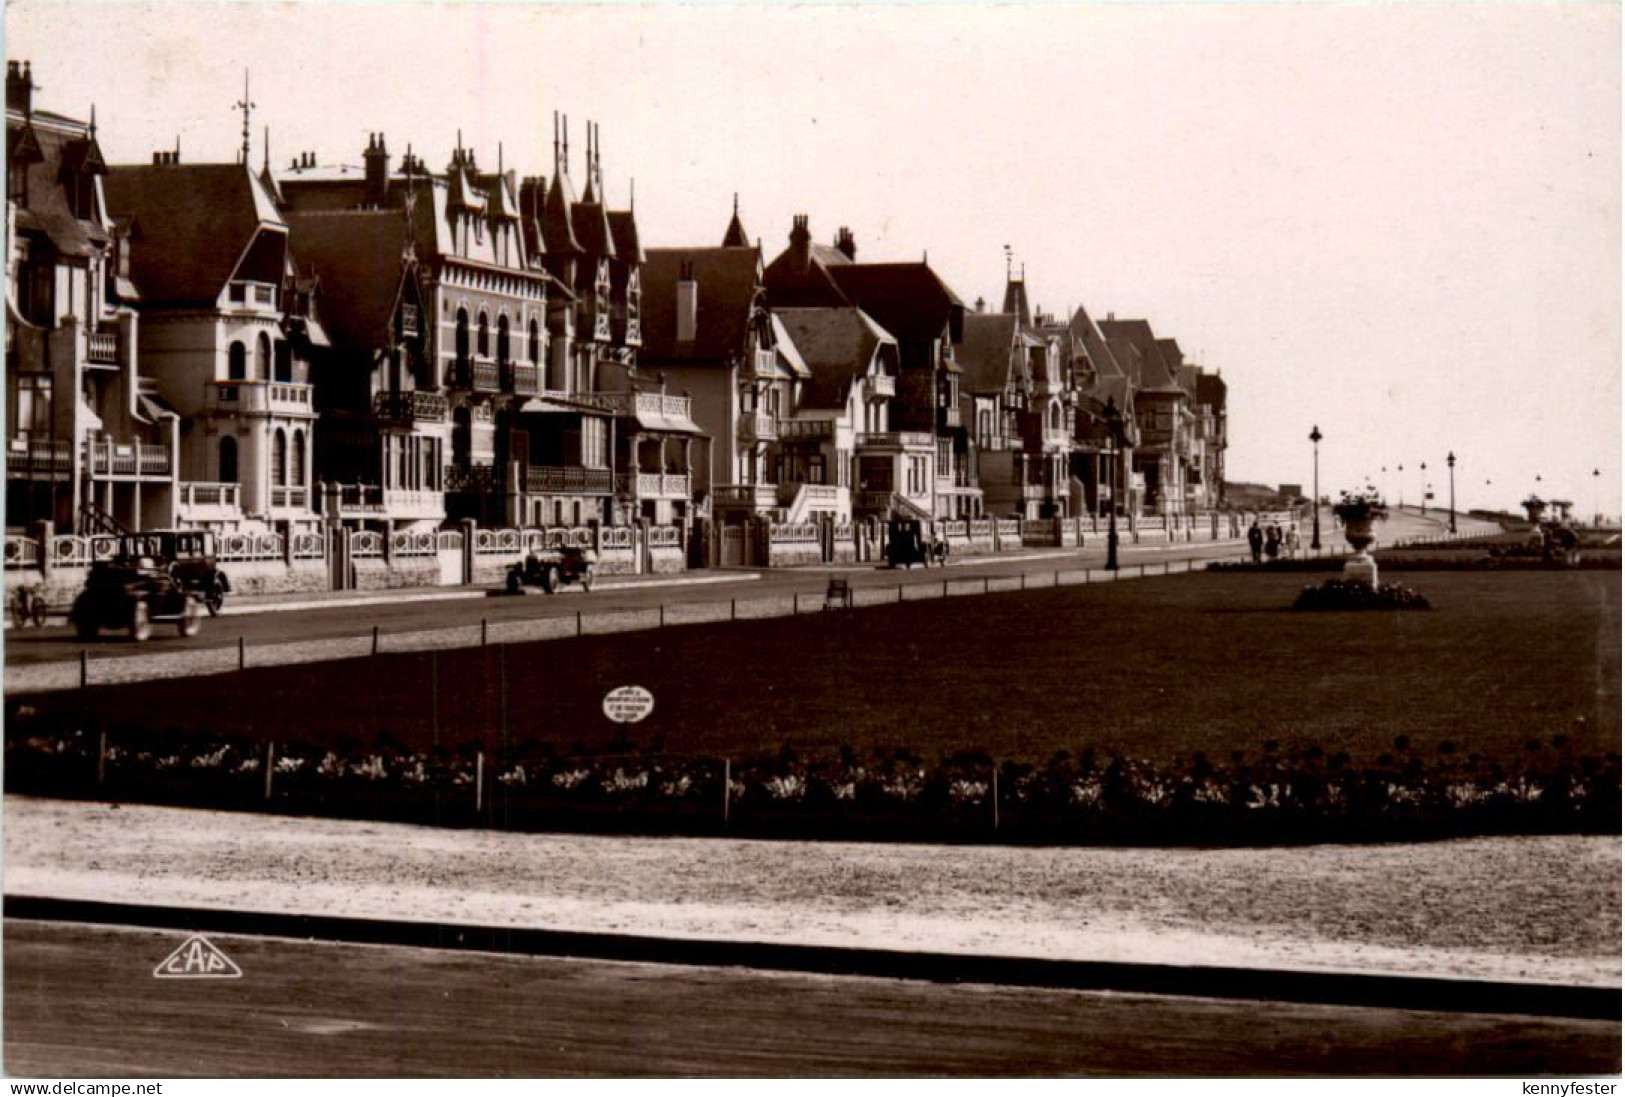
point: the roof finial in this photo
(93, 119)
(246, 105)
(736, 203)
(267, 168)
(499, 158)
(632, 194)
(1007, 262)
(555, 141)
(567, 142)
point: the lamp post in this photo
(1114, 423)
(1314, 504)
(1401, 487)
(1596, 498)
(1424, 487)
(1450, 459)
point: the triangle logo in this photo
(197, 958)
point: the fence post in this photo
(727, 787)
(84, 668)
(482, 632)
(375, 640)
(479, 781)
(242, 653)
(662, 615)
(101, 758)
(502, 692)
(270, 766)
(995, 794)
(733, 609)
(578, 622)
(434, 697)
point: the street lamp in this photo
(1315, 436)
(1596, 498)
(1424, 487)
(1401, 487)
(1114, 423)
(1450, 459)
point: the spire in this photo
(632, 194)
(1015, 290)
(246, 105)
(736, 236)
(590, 194)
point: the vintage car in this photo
(133, 594)
(907, 545)
(553, 568)
(190, 556)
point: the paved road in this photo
(57, 644)
(82, 1001)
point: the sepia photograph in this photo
(791, 541)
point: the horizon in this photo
(1430, 194)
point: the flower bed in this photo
(1351, 594)
(1306, 794)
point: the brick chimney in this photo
(376, 159)
(19, 87)
(845, 244)
(800, 244)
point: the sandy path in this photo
(1542, 909)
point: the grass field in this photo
(1157, 669)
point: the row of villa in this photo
(390, 347)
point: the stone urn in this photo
(1362, 566)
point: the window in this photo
(483, 346)
(535, 343)
(284, 361)
(815, 469)
(502, 339)
(228, 460)
(279, 459)
(297, 477)
(34, 403)
(262, 358)
(594, 443)
(462, 340)
(237, 362)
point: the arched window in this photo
(262, 358)
(279, 459)
(462, 338)
(237, 362)
(1055, 417)
(228, 457)
(297, 476)
(502, 339)
(483, 347)
(535, 343)
(284, 360)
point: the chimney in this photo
(800, 244)
(981, 304)
(688, 304)
(376, 159)
(845, 244)
(19, 87)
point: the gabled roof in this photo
(48, 150)
(735, 236)
(623, 231)
(1152, 374)
(985, 357)
(908, 299)
(729, 286)
(592, 232)
(197, 221)
(837, 345)
(785, 349)
(557, 225)
(357, 254)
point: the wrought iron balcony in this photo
(574, 479)
(410, 407)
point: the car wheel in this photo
(38, 611)
(191, 621)
(214, 598)
(140, 621)
(550, 579)
(86, 630)
(586, 579)
(514, 582)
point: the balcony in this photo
(260, 397)
(103, 349)
(259, 296)
(410, 407)
(898, 439)
(880, 387)
(656, 485)
(571, 479)
(202, 501)
(754, 497)
(39, 459)
(520, 378)
(639, 403)
(372, 501)
(817, 496)
(950, 417)
(763, 365)
(110, 460)
(805, 429)
(290, 498)
(477, 479)
(757, 426)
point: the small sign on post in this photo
(628, 704)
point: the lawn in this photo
(1157, 669)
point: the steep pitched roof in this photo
(592, 231)
(1152, 374)
(1015, 298)
(837, 345)
(728, 288)
(48, 152)
(735, 236)
(557, 221)
(985, 356)
(357, 256)
(908, 299)
(623, 228)
(196, 222)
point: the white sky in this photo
(1401, 223)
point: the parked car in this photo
(190, 555)
(552, 569)
(133, 594)
(907, 545)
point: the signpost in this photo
(628, 704)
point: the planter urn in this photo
(1362, 566)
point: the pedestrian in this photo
(1255, 541)
(1292, 541)
(1272, 541)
